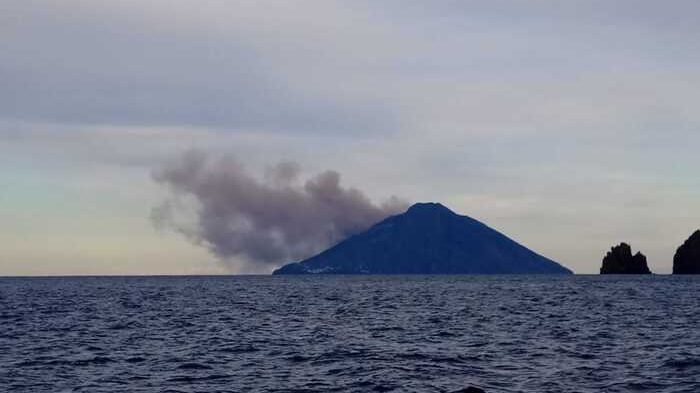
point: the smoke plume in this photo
(263, 220)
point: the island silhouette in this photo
(428, 238)
(619, 260)
(687, 258)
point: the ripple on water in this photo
(359, 334)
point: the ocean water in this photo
(350, 334)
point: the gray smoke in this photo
(265, 220)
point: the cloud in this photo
(349, 68)
(262, 221)
(205, 66)
(527, 108)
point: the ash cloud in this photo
(261, 221)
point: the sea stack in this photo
(687, 258)
(427, 239)
(620, 260)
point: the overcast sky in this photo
(568, 125)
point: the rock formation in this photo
(687, 258)
(471, 389)
(619, 260)
(427, 239)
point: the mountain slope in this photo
(427, 239)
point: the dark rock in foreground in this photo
(619, 260)
(471, 389)
(427, 239)
(687, 258)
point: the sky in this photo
(570, 125)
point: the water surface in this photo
(350, 334)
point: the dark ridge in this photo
(428, 238)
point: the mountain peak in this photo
(429, 207)
(428, 238)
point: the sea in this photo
(350, 334)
